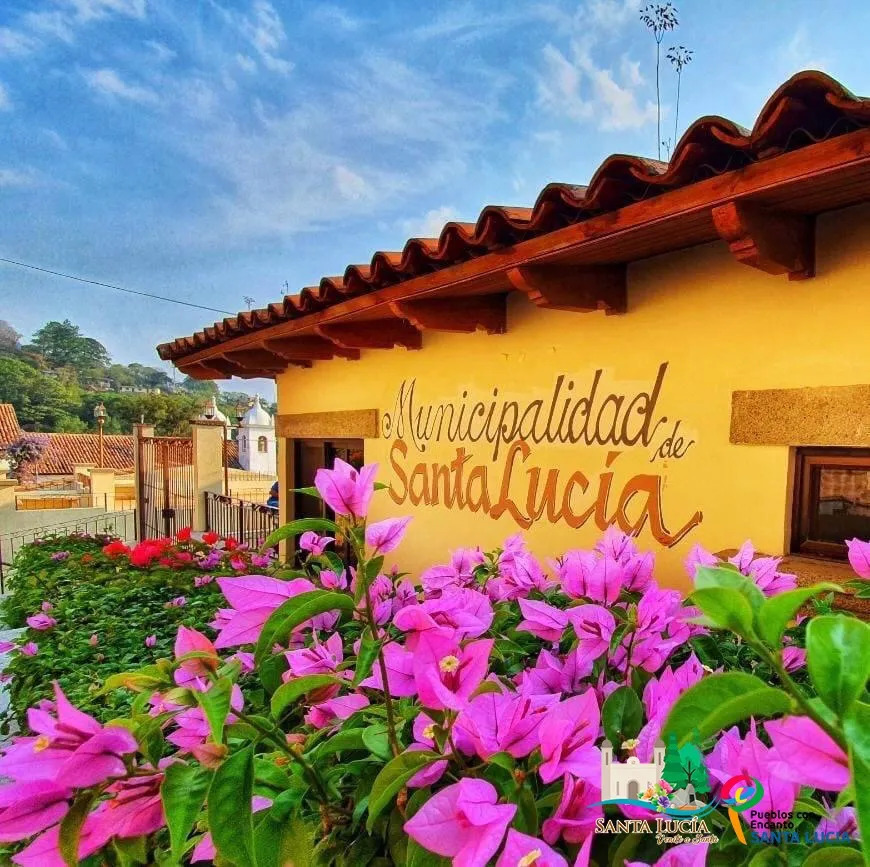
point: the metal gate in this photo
(166, 485)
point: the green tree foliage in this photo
(673, 771)
(41, 401)
(169, 413)
(199, 386)
(62, 344)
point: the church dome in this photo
(256, 416)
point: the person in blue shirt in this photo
(272, 502)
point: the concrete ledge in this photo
(821, 416)
(342, 424)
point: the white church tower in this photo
(257, 443)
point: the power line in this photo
(112, 286)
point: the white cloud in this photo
(265, 31)
(349, 184)
(800, 52)
(162, 53)
(16, 178)
(246, 63)
(94, 10)
(109, 83)
(611, 14)
(430, 224)
(14, 42)
(5, 101)
(335, 17)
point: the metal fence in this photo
(244, 521)
(121, 524)
(166, 484)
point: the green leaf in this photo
(726, 609)
(270, 671)
(376, 739)
(151, 739)
(148, 678)
(698, 702)
(282, 842)
(503, 760)
(393, 776)
(729, 578)
(420, 857)
(838, 659)
(130, 850)
(183, 792)
(365, 659)
(71, 827)
(764, 702)
(622, 715)
(229, 809)
(215, 704)
(526, 819)
(296, 611)
(835, 856)
(776, 611)
(297, 528)
(289, 692)
(770, 856)
(339, 742)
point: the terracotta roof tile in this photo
(9, 429)
(61, 451)
(808, 108)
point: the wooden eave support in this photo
(373, 334)
(773, 242)
(255, 358)
(461, 314)
(581, 288)
(205, 370)
(300, 349)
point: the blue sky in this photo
(213, 149)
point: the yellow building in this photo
(682, 349)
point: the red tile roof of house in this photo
(61, 451)
(9, 429)
(809, 108)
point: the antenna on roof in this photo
(248, 300)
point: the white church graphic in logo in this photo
(629, 780)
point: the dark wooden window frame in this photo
(806, 501)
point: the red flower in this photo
(183, 535)
(87, 558)
(210, 538)
(230, 544)
(114, 549)
(184, 556)
(145, 552)
(166, 561)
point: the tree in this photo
(659, 18)
(41, 401)
(692, 763)
(673, 772)
(200, 386)
(62, 344)
(680, 57)
(10, 339)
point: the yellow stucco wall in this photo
(720, 327)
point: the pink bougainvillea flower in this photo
(583, 574)
(430, 774)
(859, 557)
(30, 649)
(345, 490)
(542, 620)
(6, 646)
(458, 613)
(684, 855)
(505, 722)
(463, 822)
(661, 627)
(574, 819)
(520, 849)
(793, 658)
(253, 598)
(568, 733)
(41, 622)
(385, 536)
(447, 674)
(330, 581)
(808, 754)
(400, 672)
(134, 810)
(188, 640)
(177, 602)
(519, 573)
(458, 573)
(843, 821)
(46, 606)
(699, 556)
(637, 567)
(544, 677)
(763, 570)
(150, 640)
(27, 808)
(733, 755)
(314, 543)
(335, 710)
(44, 851)
(94, 640)
(594, 626)
(320, 658)
(192, 726)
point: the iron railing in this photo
(120, 524)
(244, 521)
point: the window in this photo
(831, 500)
(262, 445)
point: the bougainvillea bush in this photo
(93, 606)
(457, 717)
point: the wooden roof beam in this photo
(255, 358)
(313, 348)
(581, 288)
(211, 369)
(372, 334)
(775, 243)
(460, 314)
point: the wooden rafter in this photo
(580, 288)
(776, 243)
(310, 348)
(456, 314)
(372, 334)
(255, 357)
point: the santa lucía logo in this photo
(674, 785)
